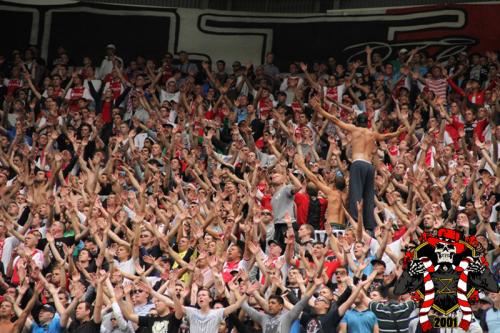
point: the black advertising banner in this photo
(84, 30)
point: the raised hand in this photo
(49, 237)
(363, 265)
(299, 161)
(476, 266)
(416, 268)
(148, 259)
(314, 102)
(253, 287)
(253, 247)
(359, 205)
(303, 67)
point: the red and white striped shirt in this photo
(437, 86)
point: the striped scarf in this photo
(461, 294)
(425, 324)
(463, 302)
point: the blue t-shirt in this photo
(241, 113)
(359, 322)
(53, 327)
(295, 328)
(368, 270)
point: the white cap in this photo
(111, 46)
(403, 51)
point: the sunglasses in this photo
(267, 213)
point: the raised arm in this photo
(309, 79)
(382, 137)
(317, 107)
(235, 306)
(127, 311)
(35, 91)
(19, 323)
(354, 295)
(369, 51)
(299, 161)
(177, 305)
(99, 298)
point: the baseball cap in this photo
(485, 170)
(484, 298)
(273, 241)
(111, 46)
(48, 308)
(267, 210)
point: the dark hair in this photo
(277, 298)
(312, 189)
(362, 120)
(209, 295)
(390, 294)
(340, 183)
(88, 306)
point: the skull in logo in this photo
(445, 252)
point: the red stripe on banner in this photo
(463, 303)
(481, 24)
(464, 325)
(426, 326)
(428, 303)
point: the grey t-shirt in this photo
(280, 323)
(283, 202)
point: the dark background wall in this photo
(84, 28)
(282, 6)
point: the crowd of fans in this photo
(173, 196)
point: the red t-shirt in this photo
(330, 266)
(398, 234)
(302, 212)
(302, 204)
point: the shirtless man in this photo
(334, 211)
(362, 171)
(7, 312)
(40, 186)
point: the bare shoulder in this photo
(369, 131)
(363, 132)
(334, 193)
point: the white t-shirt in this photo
(203, 322)
(167, 96)
(37, 257)
(395, 248)
(86, 94)
(126, 266)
